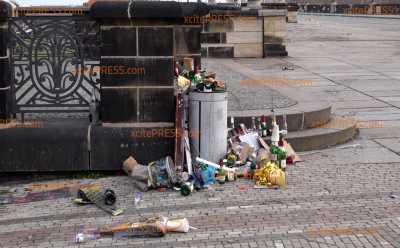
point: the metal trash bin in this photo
(208, 113)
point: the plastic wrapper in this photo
(162, 173)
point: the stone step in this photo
(296, 119)
(337, 131)
(217, 50)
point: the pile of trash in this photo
(189, 77)
(259, 153)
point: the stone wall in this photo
(292, 13)
(137, 104)
(143, 102)
(237, 36)
(252, 34)
(148, 95)
(275, 32)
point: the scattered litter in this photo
(153, 227)
(102, 199)
(243, 187)
(189, 77)
(187, 188)
(84, 237)
(210, 192)
(162, 173)
(20, 196)
(258, 153)
(269, 174)
(139, 173)
(137, 198)
(287, 68)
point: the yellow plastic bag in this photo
(270, 174)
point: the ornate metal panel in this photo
(55, 62)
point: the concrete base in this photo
(112, 145)
(74, 146)
(56, 148)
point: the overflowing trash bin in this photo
(208, 115)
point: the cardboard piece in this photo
(245, 151)
(251, 139)
(139, 173)
(188, 64)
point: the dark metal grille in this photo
(55, 62)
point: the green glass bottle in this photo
(263, 126)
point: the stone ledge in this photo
(206, 45)
(82, 147)
(62, 148)
(272, 12)
(322, 137)
(140, 9)
(112, 145)
(274, 5)
(249, 12)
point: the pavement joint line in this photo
(388, 148)
(361, 67)
(354, 16)
(327, 41)
(338, 83)
(360, 108)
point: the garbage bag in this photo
(162, 173)
(269, 174)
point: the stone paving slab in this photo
(383, 93)
(393, 144)
(386, 132)
(350, 104)
(243, 97)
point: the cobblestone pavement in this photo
(342, 197)
(348, 196)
